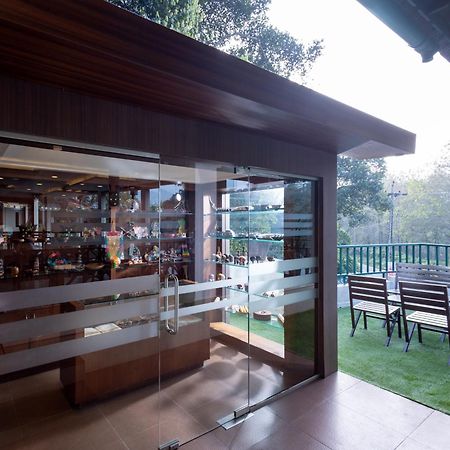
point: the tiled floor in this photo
(339, 412)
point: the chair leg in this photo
(408, 338)
(355, 323)
(365, 320)
(419, 332)
(399, 324)
(390, 329)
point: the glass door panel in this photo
(283, 283)
(79, 295)
(204, 279)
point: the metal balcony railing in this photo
(381, 258)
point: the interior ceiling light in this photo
(54, 177)
(99, 186)
(1, 178)
(81, 184)
(38, 184)
(28, 189)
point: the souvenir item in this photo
(114, 244)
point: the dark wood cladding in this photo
(48, 111)
(96, 48)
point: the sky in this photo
(366, 65)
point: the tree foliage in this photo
(360, 186)
(239, 27)
(181, 15)
(424, 214)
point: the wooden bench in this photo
(422, 273)
(430, 309)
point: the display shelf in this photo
(243, 238)
(242, 266)
(253, 211)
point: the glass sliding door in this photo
(283, 282)
(204, 271)
(79, 296)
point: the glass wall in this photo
(172, 294)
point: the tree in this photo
(360, 186)
(424, 214)
(181, 15)
(239, 27)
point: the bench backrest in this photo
(369, 289)
(422, 273)
(424, 297)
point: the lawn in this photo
(422, 374)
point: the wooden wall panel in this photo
(48, 111)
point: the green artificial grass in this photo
(258, 327)
(301, 339)
(422, 374)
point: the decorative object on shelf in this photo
(114, 199)
(79, 258)
(185, 251)
(181, 231)
(114, 247)
(36, 266)
(14, 270)
(265, 316)
(212, 277)
(229, 234)
(220, 277)
(134, 253)
(57, 262)
(140, 232)
(26, 232)
(154, 232)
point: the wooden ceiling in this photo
(93, 47)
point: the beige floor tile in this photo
(288, 437)
(300, 401)
(338, 427)
(382, 406)
(434, 431)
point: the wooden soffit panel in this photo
(96, 48)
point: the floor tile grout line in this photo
(113, 427)
(378, 422)
(415, 429)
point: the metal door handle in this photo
(174, 329)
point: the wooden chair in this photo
(371, 293)
(429, 303)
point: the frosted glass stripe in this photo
(256, 287)
(29, 298)
(282, 266)
(25, 329)
(25, 359)
(257, 303)
(211, 306)
(199, 287)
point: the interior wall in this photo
(54, 112)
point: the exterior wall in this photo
(53, 112)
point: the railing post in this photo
(360, 259)
(436, 254)
(347, 261)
